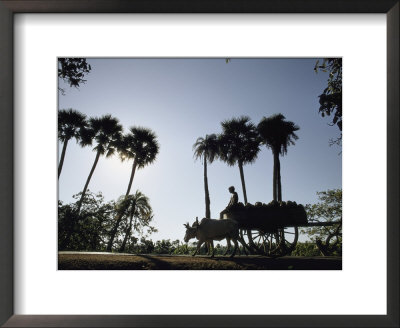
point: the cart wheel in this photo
(278, 243)
(288, 240)
(247, 243)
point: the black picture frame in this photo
(10, 7)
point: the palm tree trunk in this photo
(274, 178)
(207, 194)
(245, 202)
(62, 157)
(127, 234)
(278, 179)
(114, 232)
(131, 179)
(87, 181)
(119, 215)
(243, 183)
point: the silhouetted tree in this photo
(239, 144)
(73, 71)
(329, 209)
(207, 149)
(71, 124)
(107, 133)
(89, 231)
(331, 99)
(136, 206)
(277, 134)
(141, 145)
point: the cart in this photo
(273, 229)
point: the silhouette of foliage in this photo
(331, 98)
(277, 134)
(138, 213)
(239, 144)
(207, 149)
(72, 71)
(141, 145)
(71, 124)
(90, 230)
(327, 210)
(107, 133)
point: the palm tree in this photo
(135, 206)
(206, 149)
(106, 132)
(277, 134)
(141, 145)
(71, 124)
(239, 144)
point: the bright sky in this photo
(183, 99)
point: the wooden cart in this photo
(273, 229)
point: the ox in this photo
(208, 230)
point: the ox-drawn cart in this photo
(273, 229)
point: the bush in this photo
(306, 249)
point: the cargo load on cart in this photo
(268, 217)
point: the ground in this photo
(112, 261)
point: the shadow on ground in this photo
(108, 261)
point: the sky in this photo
(183, 99)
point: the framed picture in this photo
(21, 284)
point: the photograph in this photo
(199, 163)
(200, 147)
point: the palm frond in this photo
(141, 144)
(207, 147)
(107, 132)
(70, 124)
(137, 205)
(277, 133)
(239, 141)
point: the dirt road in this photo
(108, 261)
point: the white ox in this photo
(208, 230)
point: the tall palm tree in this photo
(141, 145)
(136, 206)
(71, 124)
(107, 133)
(239, 144)
(277, 133)
(207, 149)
